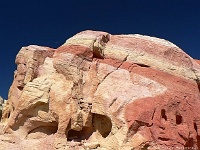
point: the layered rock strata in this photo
(103, 91)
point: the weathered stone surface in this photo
(28, 60)
(102, 91)
(1, 106)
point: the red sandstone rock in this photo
(198, 61)
(102, 91)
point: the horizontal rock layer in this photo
(103, 91)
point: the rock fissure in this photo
(198, 87)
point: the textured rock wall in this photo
(1, 106)
(102, 91)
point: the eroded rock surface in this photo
(102, 91)
(1, 106)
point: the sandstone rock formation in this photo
(102, 91)
(1, 106)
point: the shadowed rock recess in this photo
(103, 91)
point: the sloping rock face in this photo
(102, 91)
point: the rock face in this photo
(102, 91)
(1, 106)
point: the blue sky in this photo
(51, 22)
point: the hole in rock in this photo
(84, 134)
(143, 65)
(179, 119)
(20, 88)
(74, 135)
(163, 139)
(198, 86)
(102, 124)
(163, 114)
(42, 131)
(27, 116)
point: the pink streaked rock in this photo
(103, 91)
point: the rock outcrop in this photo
(103, 91)
(1, 106)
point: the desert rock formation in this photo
(103, 91)
(1, 106)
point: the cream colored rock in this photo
(32, 101)
(93, 145)
(28, 61)
(157, 53)
(96, 41)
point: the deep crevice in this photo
(8, 115)
(83, 134)
(142, 65)
(163, 139)
(113, 101)
(153, 114)
(184, 138)
(0, 113)
(198, 84)
(96, 53)
(163, 114)
(100, 123)
(195, 126)
(179, 119)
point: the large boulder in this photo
(103, 91)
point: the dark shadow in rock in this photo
(27, 114)
(163, 114)
(83, 134)
(198, 137)
(178, 119)
(189, 144)
(101, 123)
(42, 131)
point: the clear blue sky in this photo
(51, 22)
